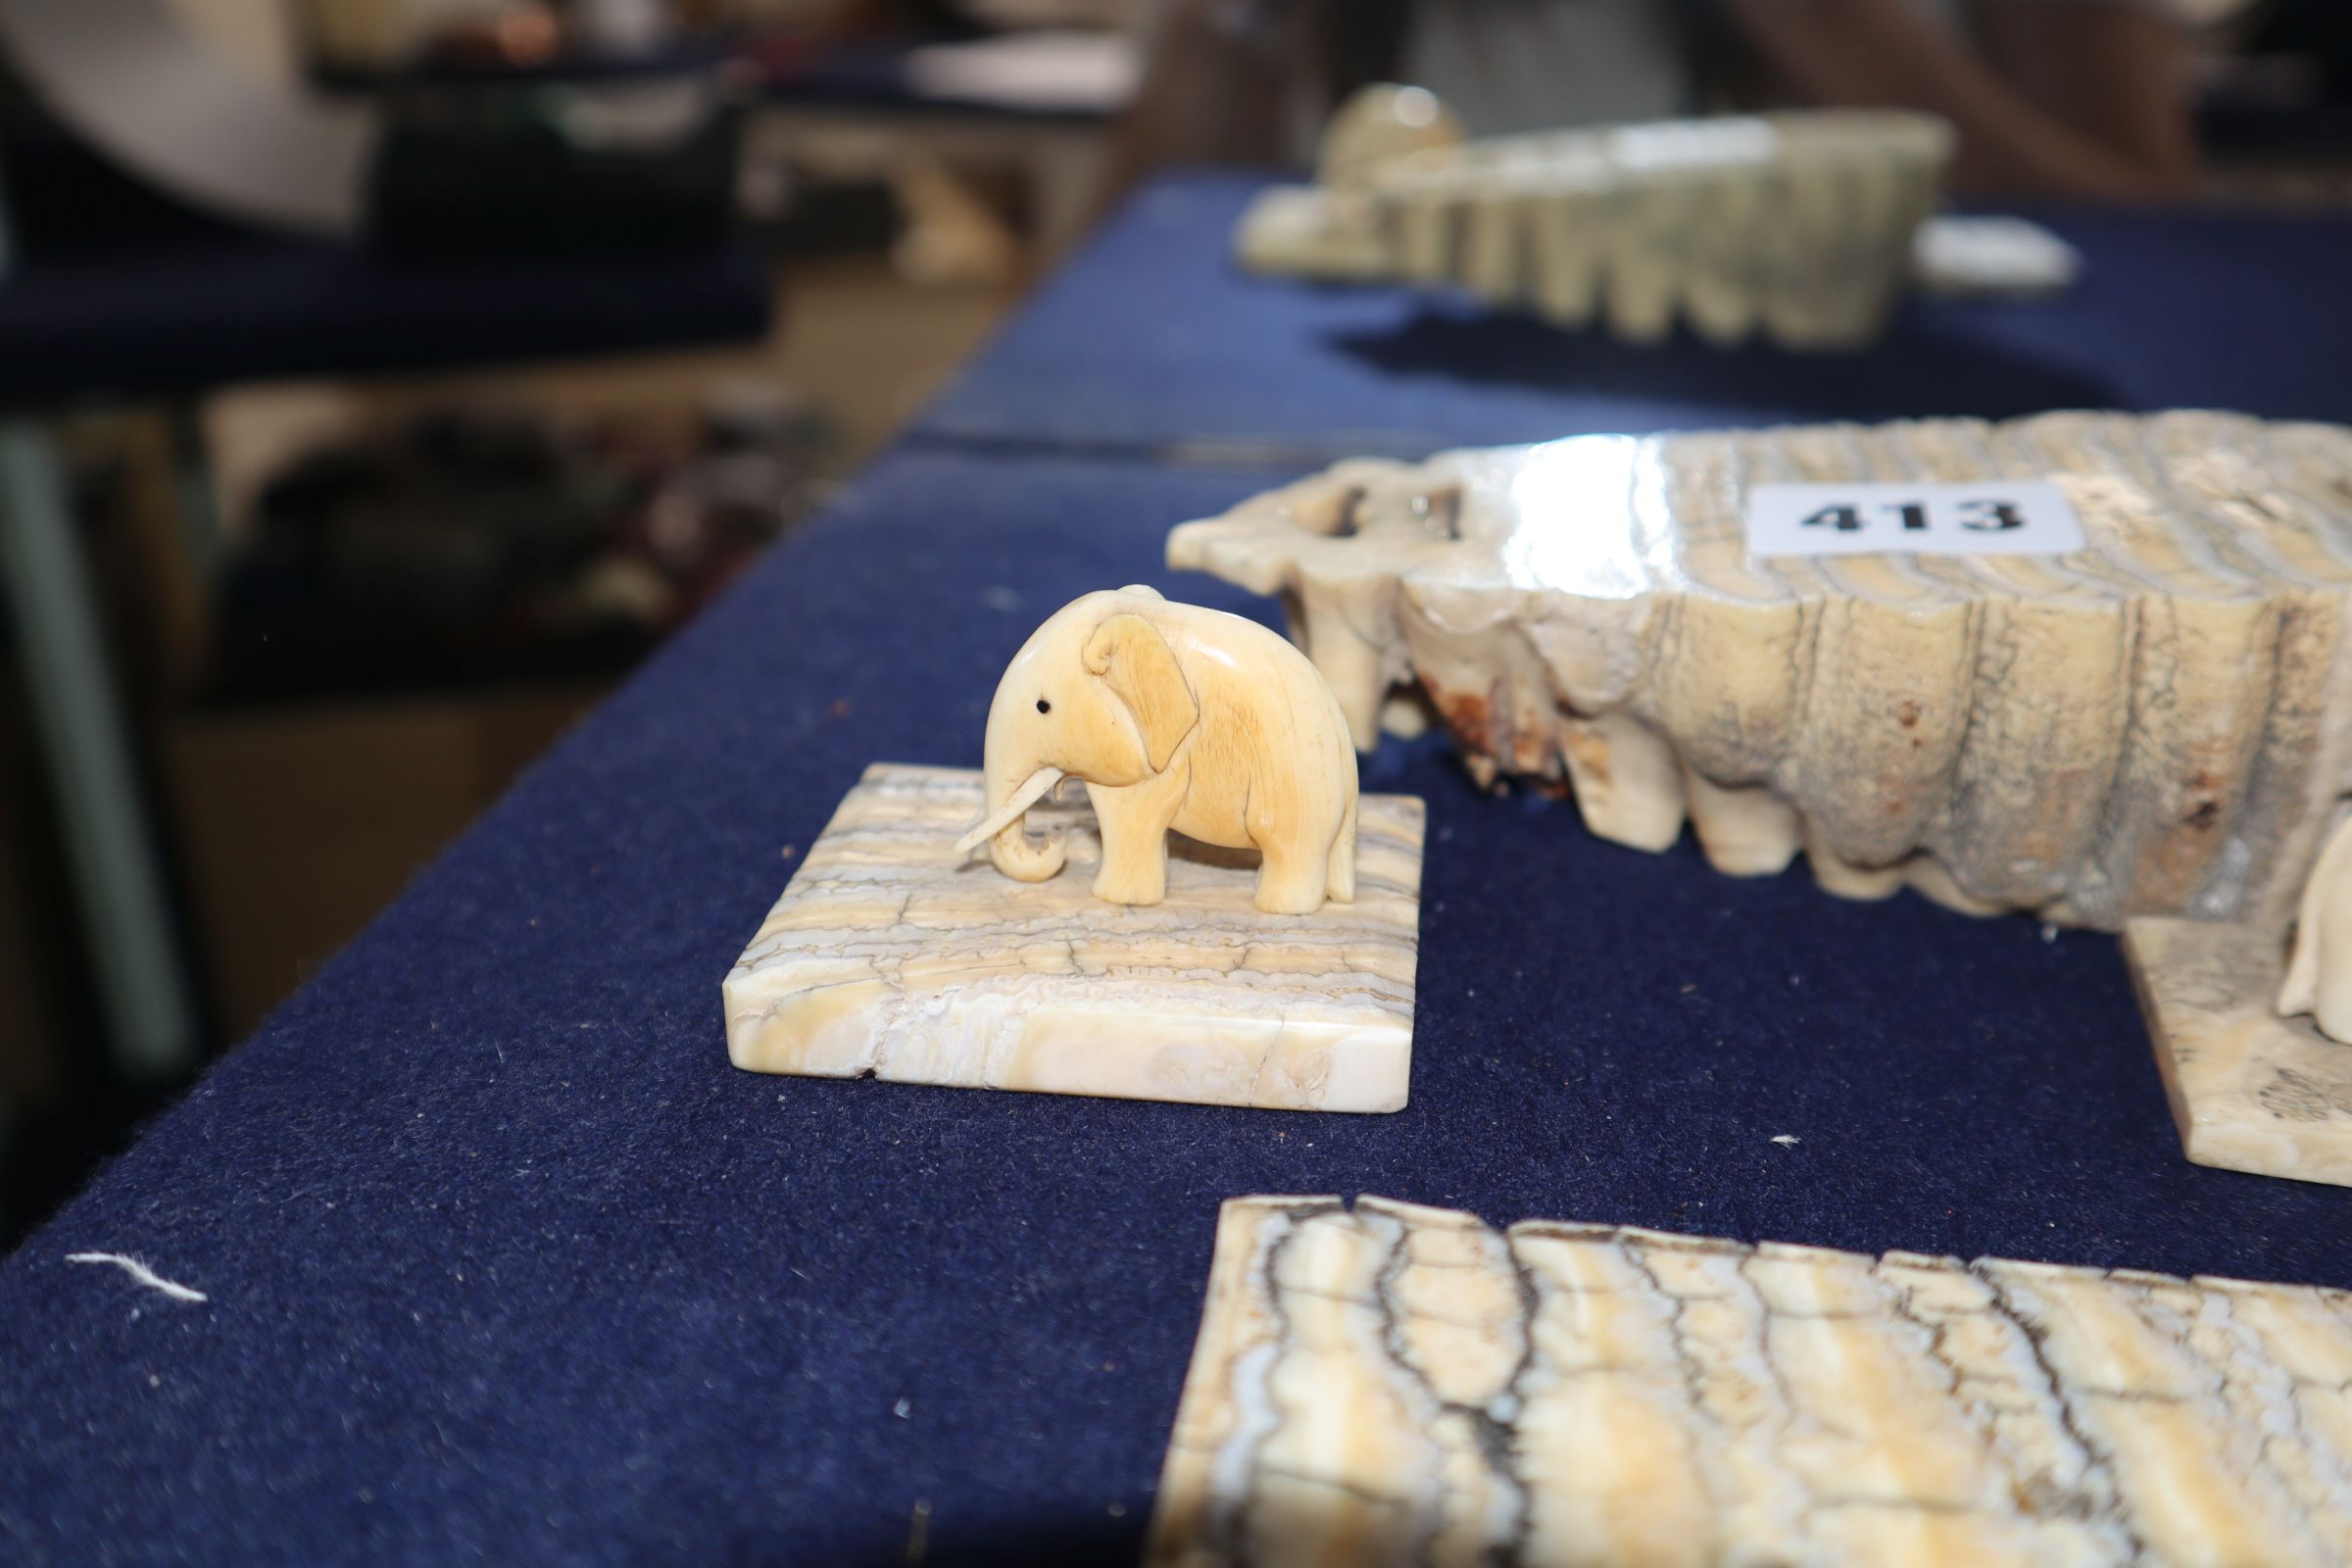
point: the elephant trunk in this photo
(1015, 853)
(1006, 827)
(1022, 857)
(1016, 777)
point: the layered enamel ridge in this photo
(891, 956)
(1405, 1385)
(1797, 227)
(2158, 724)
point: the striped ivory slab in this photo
(1403, 1385)
(2158, 724)
(892, 957)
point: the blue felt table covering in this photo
(1158, 343)
(506, 1263)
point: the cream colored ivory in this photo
(1174, 717)
(1028, 794)
(2319, 975)
(1399, 1384)
(2159, 725)
(1797, 225)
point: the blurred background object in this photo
(202, 99)
(1798, 226)
(2145, 100)
(385, 378)
(2272, 82)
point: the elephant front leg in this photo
(1134, 822)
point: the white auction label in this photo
(1998, 517)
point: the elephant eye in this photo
(1044, 706)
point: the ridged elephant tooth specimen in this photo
(1798, 226)
(2159, 723)
(1228, 923)
(1395, 1384)
(2052, 658)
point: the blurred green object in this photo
(123, 904)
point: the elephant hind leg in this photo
(1297, 873)
(1338, 880)
(1289, 881)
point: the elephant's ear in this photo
(1136, 661)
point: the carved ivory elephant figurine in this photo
(1173, 716)
(2319, 973)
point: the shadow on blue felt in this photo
(1915, 367)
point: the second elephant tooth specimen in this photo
(2158, 724)
(1174, 717)
(1796, 226)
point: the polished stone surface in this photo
(1405, 1385)
(2158, 724)
(2250, 1090)
(891, 956)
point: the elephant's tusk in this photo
(1032, 789)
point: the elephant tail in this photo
(1340, 886)
(2299, 991)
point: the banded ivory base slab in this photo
(2251, 1090)
(2158, 724)
(1402, 1384)
(890, 957)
